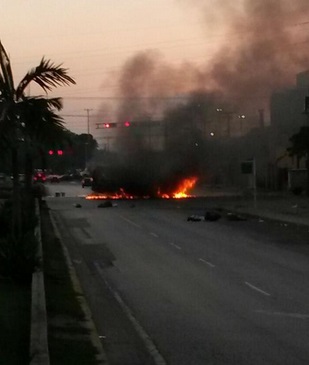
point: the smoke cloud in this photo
(266, 43)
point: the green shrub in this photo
(29, 218)
(18, 257)
(297, 190)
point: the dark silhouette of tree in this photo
(25, 120)
(300, 149)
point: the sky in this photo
(93, 39)
(159, 47)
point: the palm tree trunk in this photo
(307, 167)
(28, 193)
(16, 211)
(28, 172)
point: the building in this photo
(287, 109)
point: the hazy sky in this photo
(262, 45)
(93, 39)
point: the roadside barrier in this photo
(39, 353)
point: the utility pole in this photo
(254, 183)
(229, 116)
(87, 140)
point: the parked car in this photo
(21, 178)
(87, 181)
(39, 177)
(54, 179)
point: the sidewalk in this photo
(285, 207)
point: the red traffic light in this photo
(127, 124)
(109, 125)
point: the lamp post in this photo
(229, 116)
(241, 117)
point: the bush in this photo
(297, 190)
(29, 219)
(18, 257)
(38, 190)
(6, 218)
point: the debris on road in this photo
(106, 204)
(195, 218)
(235, 217)
(212, 216)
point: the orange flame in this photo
(182, 189)
(180, 192)
(120, 195)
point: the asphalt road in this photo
(204, 292)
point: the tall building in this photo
(287, 109)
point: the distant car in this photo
(54, 179)
(39, 177)
(87, 181)
(21, 177)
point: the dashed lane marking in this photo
(257, 289)
(151, 347)
(207, 262)
(129, 221)
(174, 245)
(284, 314)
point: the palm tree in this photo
(25, 119)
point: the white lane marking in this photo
(284, 314)
(176, 246)
(257, 289)
(154, 234)
(129, 221)
(207, 263)
(151, 347)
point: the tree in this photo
(25, 119)
(300, 149)
(83, 146)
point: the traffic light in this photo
(109, 125)
(58, 152)
(127, 123)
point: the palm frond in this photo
(38, 118)
(3, 92)
(47, 75)
(6, 132)
(52, 130)
(41, 103)
(55, 103)
(6, 72)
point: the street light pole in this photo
(229, 116)
(87, 140)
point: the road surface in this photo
(225, 292)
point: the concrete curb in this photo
(101, 356)
(39, 353)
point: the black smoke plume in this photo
(266, 43)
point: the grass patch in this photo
(15, 309)
(68, 338)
